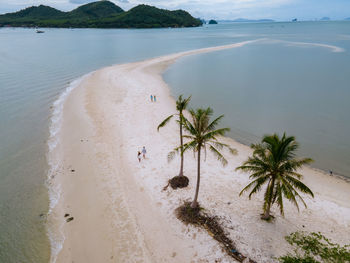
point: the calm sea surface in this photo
(283, 83)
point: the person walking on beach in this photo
(139, 155)
(152, 98)
(144, 152)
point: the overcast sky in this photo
(216, 9)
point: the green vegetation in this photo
(96, 10)
(315, 248)
(202, 133)
(101, 14)
(273, 162)
(181, 105)
(212, 22)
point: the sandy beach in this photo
(121, 213)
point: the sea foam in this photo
(55, 222)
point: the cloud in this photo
(79, 2)
(224, 9)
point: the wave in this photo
(55, 223)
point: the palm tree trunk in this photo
(266, 214)
(194, 203)
(182, 148)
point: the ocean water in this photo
(296, 80)
(278, 84)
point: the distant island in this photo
(212, 22)
(244, 20)
(101, 14)
(325, 19)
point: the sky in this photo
(280, 10)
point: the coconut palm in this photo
(274, 162)
(181, 105)
(202, 134)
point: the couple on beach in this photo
(143, 151)
(153, 98)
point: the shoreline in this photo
(313, 168)
(54, 226)
(113, 198)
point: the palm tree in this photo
(181, 105)
(202, 133)
(274, 162)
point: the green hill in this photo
(37, 12)
(101, 14)
(98, 9)
(144, 16)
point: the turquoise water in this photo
(264, 87)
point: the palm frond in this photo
(181, 104)
(189, 127)
(220, 146)
(191, 137)
(163, 123)
(214, 123)
(294, 164)
(213, 134)
(289, 193)
(254, 164)
(279, 198)
(186, 102)
(258, 184)
(299, 185)
(259, 173)
(192, 145)
(218, 155)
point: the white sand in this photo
(120, 212)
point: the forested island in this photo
(101, 14)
